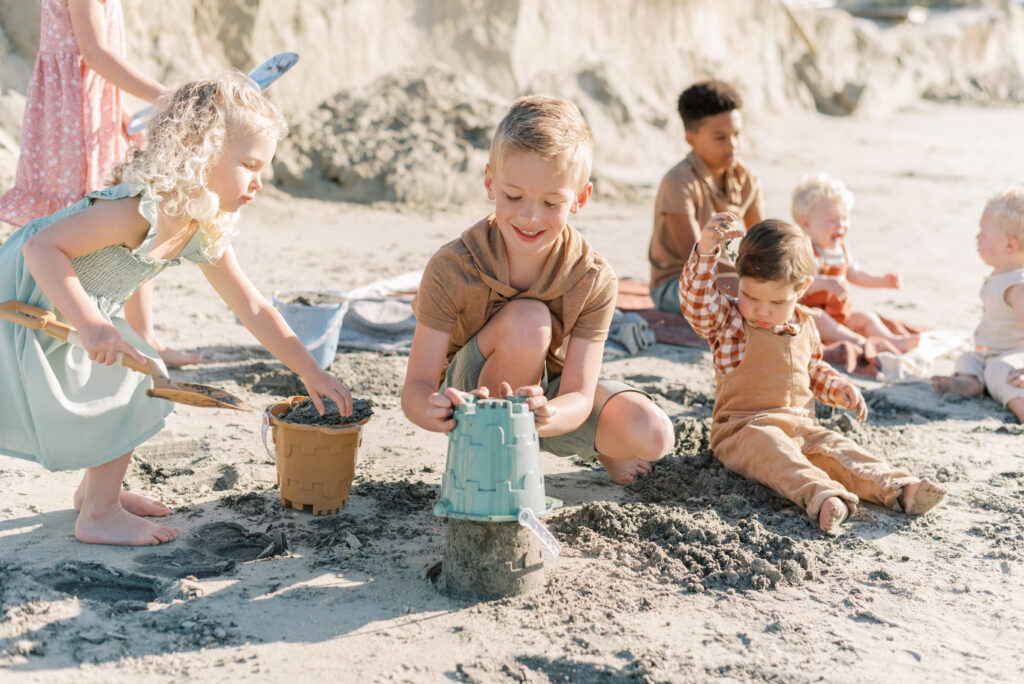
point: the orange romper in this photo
(837, 307)
(763, 427)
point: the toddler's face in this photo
(768, 303)
(992, 243)
(532, 201)
(827, 223)
(236, 177)
(717, 140)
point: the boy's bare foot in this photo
(176, 358)
(921, 496)
(967, 385)
(842, 355)
(623, 472)
(136, 504)
(833, 513)
(121, 528)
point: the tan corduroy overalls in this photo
(763, 427)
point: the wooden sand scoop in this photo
(163, 388)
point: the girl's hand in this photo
(543, 412)
(1016, 377)
(719, 228)
(442, 407)
(104, 344)
(891, 280)
(322, 385)
(854, 402)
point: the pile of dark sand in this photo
(306, 413)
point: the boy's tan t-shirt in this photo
(688, 189)
(467, 282)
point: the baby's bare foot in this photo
(136, 504)
(623, 472)
(833, 513)
(966, 385)
(921, 496)
(121, 528)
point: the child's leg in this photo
(967, 376)
(1004, 380)
(130, 501)
(765, 450)
(870, 478)
(138, 311)
(830, 330)
(631, 432)
(102, 519)
(515, 344)
(868, 324)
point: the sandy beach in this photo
(691, 574)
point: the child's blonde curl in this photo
(815, 187)
(1007, 207)
(186, 140)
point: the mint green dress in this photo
(57, 407)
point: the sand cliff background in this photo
(691, 575)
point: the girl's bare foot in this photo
(833, 513)
(121, 528)
(905, 342)
(136, 504)
(921, 496)
(176, 358)
(967, 385)
(623, 472)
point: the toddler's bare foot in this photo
(967, 385)
(176, 358)
(136, 504)
(833, 513)
(842, 355)
(623, 472)
(921, 496)
(121, 528)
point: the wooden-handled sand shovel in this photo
(163, 388)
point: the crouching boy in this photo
(520, 302)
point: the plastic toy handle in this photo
(549, 546)
(266, 426)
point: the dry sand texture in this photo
(693, 574)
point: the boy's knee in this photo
(643, 429)
(523, 324)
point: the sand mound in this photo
(417, 138)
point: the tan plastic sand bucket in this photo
(315, 463)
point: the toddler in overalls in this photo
(769, 371)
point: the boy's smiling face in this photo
(768, 303)
(717, 140)
(532, 201)
(826, 223)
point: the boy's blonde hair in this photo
(186, 139)
(776, 250)
(1007, 206)
(815, 187)
(551, 128)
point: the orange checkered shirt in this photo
(716, 317)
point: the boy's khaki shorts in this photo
(464, 373)
(992, 370)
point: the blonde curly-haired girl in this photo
(176, 197)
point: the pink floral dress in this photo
(71, 135)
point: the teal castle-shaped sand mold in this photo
(493, 466)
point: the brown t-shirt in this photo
(688, 189)
(467, 282)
